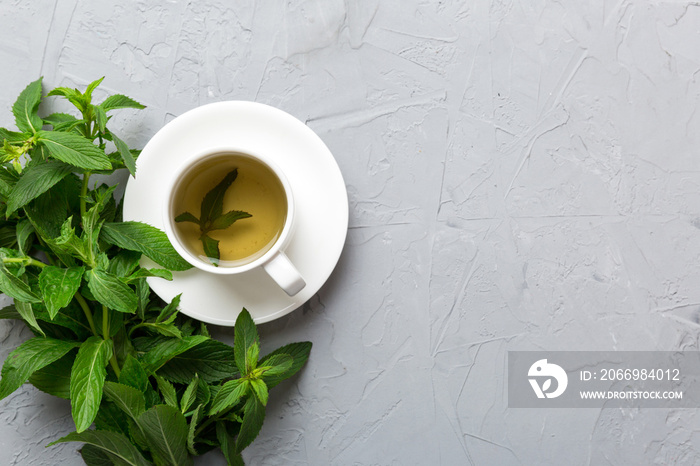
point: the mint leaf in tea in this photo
(206, 219)
(212, 218)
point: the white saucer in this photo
(321, 203)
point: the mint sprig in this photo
(212, 218)
(146, 384)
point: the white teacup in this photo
(204, 170)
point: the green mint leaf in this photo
(143, 273)
(9, 312)
(275, 366)
(245, 336)
(194, 420)
(15, 288)
(227, 442)
(226, 220)
(25, 108)
(74, 96)
(13, 136)
(143, 292)
(7, 154)
(116, 446)
(90, 88)
(125, 153)
(204, 394)
(75, 150)
(189, 396)
(110, 291)
(124, 263)
(93, 456)
(60, 120)
(230, 394)
(100, 118)
(253, 417)
(90, 236)
(120, 101)
(8, 238)
(27, 313)
(165, 429)
(168, 330)
(67, 127)
(299, 353)
(87, 380)
(212, 205)
(251, 358)
(187, 217)
(128, 399)
(103, 200)
(110, 211)
(102, 259)
(36, 180)
(211, 361)
(111, 418)
(58, 286)
(133, 375)
(169, 312)
(260, 390)
(54, 378)
(29, 357)
(146, 239)
(164, 350)
(168, 391)
(49, 211)
(8, 180)
(11, 153)
(24, 232)
(211, 248)
(68, 242)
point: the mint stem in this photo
(105, 334)
(23, 260)
(88, 313)
(105, 322)
(83, 194)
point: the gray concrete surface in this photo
(522, 175)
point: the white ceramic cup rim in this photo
(168, 217)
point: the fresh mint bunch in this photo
(146, 385)
(212, 218)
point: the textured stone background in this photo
(522, 175)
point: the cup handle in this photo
(282, 271)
